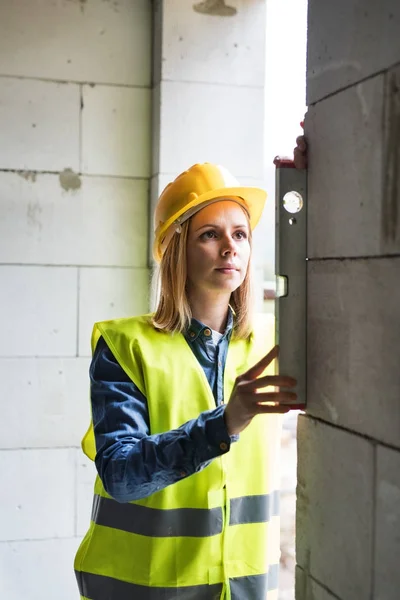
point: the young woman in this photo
(185, 502)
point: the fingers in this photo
(300, 153)
(299, 159)
(276, 380)
(280, 409)
(274, 397)
(301, 143)
(259, 367)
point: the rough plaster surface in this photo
(334, 521)
(354, 345)
(69, 180)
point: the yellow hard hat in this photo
(193, 189)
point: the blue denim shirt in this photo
(133, 464)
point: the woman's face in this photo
(218, 248)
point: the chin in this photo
(227, 287)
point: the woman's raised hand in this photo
(246, 401)
(300, 153)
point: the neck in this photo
(210, 311)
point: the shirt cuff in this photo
(218, 440)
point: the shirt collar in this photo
(197, 328)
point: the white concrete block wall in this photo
(231, 54)
(85, 473)
(74, 192)
(39, 503)
(40, 304)
(70, 219)
(218, 124)
(87, 41)
(36, 569)
(116, 131)
(106, 292)
(348, 508)
(39, 121)
(46, 401)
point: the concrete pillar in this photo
(208, 94)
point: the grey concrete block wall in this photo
(387, 525)
(308, 589)
(354, 345)
(348, 498)
(334, 524)
(349, 40)
(354, 170)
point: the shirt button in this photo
(223, 446)
(182, 474)
(192, 334)
(207, 332)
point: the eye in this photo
(208, 235)
(240, 235)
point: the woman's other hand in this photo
(246, 401)
(300, 153)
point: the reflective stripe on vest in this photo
(254, 509)
(142, 520)
(182, 522)
(254, 586)
(98, 587)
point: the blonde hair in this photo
(173, 313)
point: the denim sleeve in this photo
(131, 463)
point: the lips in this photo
(227, 269)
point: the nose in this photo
(228, 246)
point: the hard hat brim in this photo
(253, 201)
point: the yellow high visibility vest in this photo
(213, 535)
